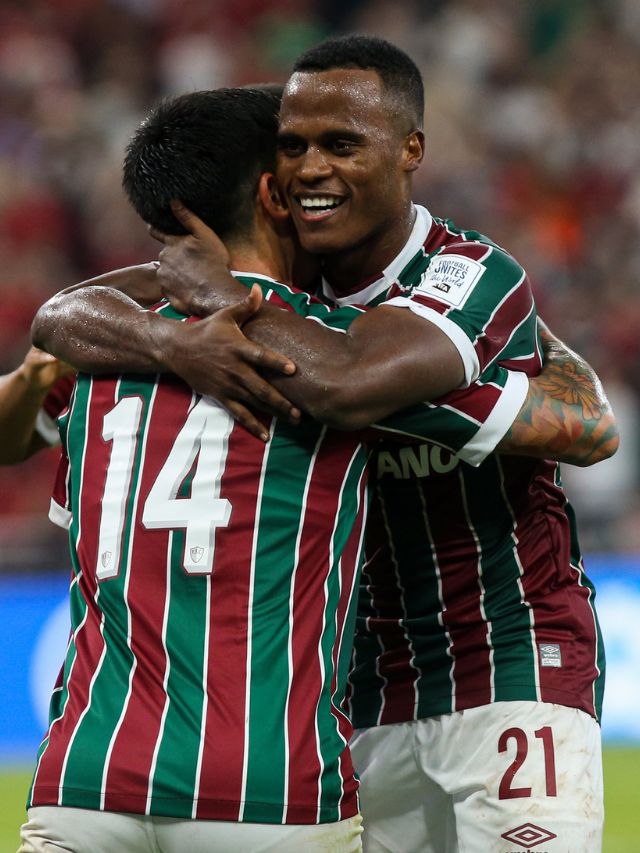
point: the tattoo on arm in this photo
(566, 416)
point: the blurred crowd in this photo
(533, 129)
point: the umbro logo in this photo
(528, 835)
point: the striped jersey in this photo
(213, 596)
(473, 589)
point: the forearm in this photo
(566, 416)
(100, 330)
(20, 403)
(386, 360)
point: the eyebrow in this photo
(325, 136)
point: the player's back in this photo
(212, 615)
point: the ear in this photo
(413, 151)
(270, 197)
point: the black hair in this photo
(207, 149)
(398, 73)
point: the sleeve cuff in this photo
(458, 338)
(47, 428)
(504, 413)
(59, 515)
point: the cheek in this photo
(284, 170)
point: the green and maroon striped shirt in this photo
(213, 597)
(473, 589)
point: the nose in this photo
(314, 165)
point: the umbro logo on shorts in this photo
(528, 835)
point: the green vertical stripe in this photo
(576, 562)
(513, 652)
(175, 773)
(279, 514)
(88, 751)
(330, 742)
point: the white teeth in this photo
(315, 203)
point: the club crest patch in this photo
(451, 279)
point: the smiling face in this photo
(345, 156)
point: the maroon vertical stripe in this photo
(223, 754)
(132, 754)
(89, 642)
(309, 610)
(457, 556)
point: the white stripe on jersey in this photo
(338, 711)
(127, 572)
(77, 542)
(165, 680)
(88, 705)
(296, 562)
(396, 571)
(436, 565)
(463, 493)
(247, 692)
(61, 715)
(516, 557)
(579, 570)
(515, 329)
(205, 699)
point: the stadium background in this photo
(533, 137)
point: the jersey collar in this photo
(373, 288)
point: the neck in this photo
(347, 269)
(264, 253)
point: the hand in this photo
(191, 265)
(215, 358)
(41, 371)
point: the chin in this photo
(322, 244)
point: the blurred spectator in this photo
(531, 138)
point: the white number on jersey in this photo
(204, 434)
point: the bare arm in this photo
(388, 359)
(566, 416)
(100, 329)
(22, 394)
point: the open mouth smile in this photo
(319, 207)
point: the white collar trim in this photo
(419, 232)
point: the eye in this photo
(342, 147)
(290, 146)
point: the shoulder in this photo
(466, 268)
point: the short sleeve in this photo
(469, 422)
(54, 404)
(481, 298)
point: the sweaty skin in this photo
(204, 353)
(341, 143)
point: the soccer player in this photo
(478, 667)
(214, 575)
(475, 600)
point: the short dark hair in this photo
(207, 149)
(399, 74)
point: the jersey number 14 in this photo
(204, 434)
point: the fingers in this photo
(257, 392)
(193, 224)
(243, 310)
(248, 420)
(160, 236)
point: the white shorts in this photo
(54, 829)
(511, 777)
